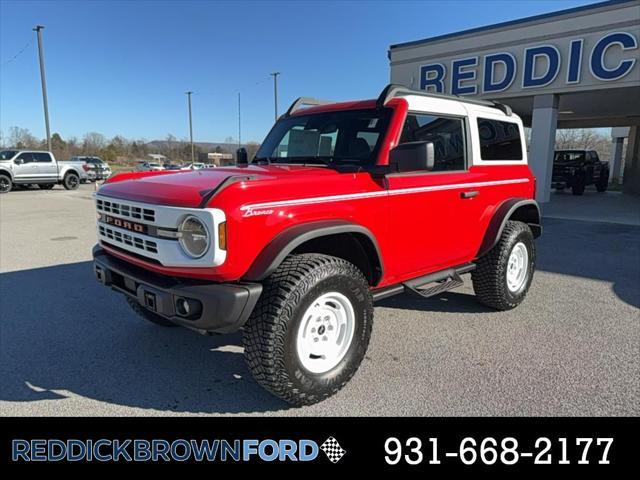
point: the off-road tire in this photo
(603, 183)
(148, 314)
(579, 185)
(269, 335)
(46, 186)
(490, 279)
(71, 181)
(5, 184)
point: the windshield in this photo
(341, 137)
(7, 154)
(569, 157)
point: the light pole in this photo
(38, 30)
(191, 128)
(275, 92)
(239, 124)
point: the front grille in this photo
(128, 239)
(125, 210)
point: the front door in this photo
(24, 167)
(433, 211)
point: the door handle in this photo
(470, 194)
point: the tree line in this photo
(117, 149)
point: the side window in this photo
(499, 140)
(447, 135)
(26, 157)
(42, 157)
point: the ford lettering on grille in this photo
(126, 224)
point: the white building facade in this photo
(577, 68)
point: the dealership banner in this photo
(429, 445)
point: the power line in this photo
(20, 52)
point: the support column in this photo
(615, 159)
(543, 139)
(631, 183)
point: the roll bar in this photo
(393, 90)
(305, 101)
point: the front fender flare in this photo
(288, 240)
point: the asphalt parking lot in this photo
(71, 347)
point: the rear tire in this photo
(148, 314)
(496, 279)
(5, 184)
(310, 329)
(46, 186)
(71, 181)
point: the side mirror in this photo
(18, 161)
(241, 157)
(412, 156)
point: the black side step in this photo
(454, 281)
(444, 280)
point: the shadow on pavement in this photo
(608, 252)
(63, 334)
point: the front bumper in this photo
(214, 307)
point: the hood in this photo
(195, 187)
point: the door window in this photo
(446, 134)
(26, 157)
(42, 157)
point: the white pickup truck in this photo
(24, 167)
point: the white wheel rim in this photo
(517, 268)
(325, 332)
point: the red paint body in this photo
(417, 233)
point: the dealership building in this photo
(576, 68)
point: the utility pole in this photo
(191, 128)
(275, 92)
(239, 124)
(38, 30)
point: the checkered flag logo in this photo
(333, 450)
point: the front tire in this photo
(579, 185)
(71, 181)
(5, 184)
(310, 329)
(603, 183)
(503, 276)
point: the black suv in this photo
(577, 169)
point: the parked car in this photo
(24, 167)
(193, 166)
(148, 167)
(98, 167)
(172, 166)
(576, 169)
(403, 193)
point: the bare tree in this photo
(93, 142)
(583, 139)
(22, 138)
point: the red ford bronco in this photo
(344, 204)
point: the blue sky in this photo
(122, 67)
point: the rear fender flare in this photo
(524, 210)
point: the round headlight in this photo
(194, 237)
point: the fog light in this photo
(187, 307)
